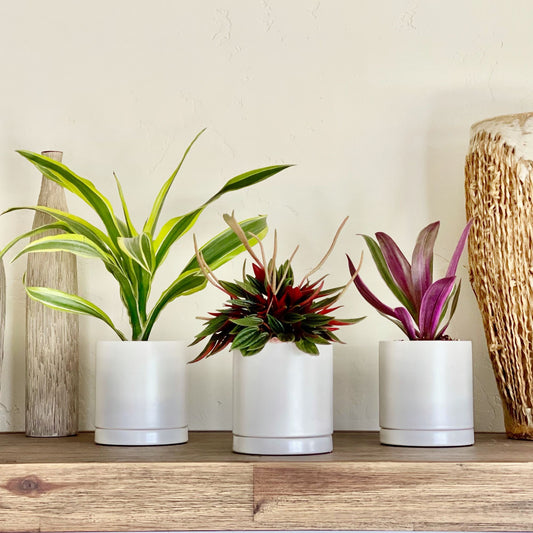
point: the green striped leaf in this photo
(85, 189)
(70, 303)
(226, 245)
(73, 223)
(32, 233)
(252, 320)
(131, 231)
(67, 242)
(171, 232)
(247, 179)
(246, 337)
(151, 222)
(255, 347)
(183, 285)
(139, 248)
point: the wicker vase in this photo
(499, 196)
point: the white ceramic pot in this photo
(141, 396)
(283, 401)
(425, 393)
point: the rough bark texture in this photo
(499, 196)
(51, 336)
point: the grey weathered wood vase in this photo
(51, 336)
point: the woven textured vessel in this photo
(499, 196)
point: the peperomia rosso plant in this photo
(428, 305)
(132, 256)
(270, 304)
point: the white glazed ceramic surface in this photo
(426, 393)
(283, 401)
(141, 393)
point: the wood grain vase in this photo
(499, 196)
(51, 336)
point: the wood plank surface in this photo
(71, 484)
(125, 497)
(395, 496)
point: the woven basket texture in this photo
(499, 196)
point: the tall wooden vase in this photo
(51, 336)
(499, 196)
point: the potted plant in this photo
(425, 382)
(140, 384)
(280, 332)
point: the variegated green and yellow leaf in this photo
(67, 242)
(70, 303)
(151, 222)
(226, 245)
(84, 188)
(139, 248)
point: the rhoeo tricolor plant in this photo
(270, 305)
(428, 305)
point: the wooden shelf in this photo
(71, 484)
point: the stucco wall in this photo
(372, 100)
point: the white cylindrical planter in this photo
(425, 393)
(283, 401)
(141, 393)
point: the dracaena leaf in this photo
(73, 224)
(32, 233)
(226, 245)
(248, 178)
(130, 230)
(432, 304)
(139, 248)
(188, 283)
(151, 222)
(452, 267)
(422, 261)
(85, 189)
(70, 303)
(66, 242)
(171, 231)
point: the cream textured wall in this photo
(371, 99)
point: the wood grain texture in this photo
(51, 336)
(125, 497)
(394, 496)
(72, 484)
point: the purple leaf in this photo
(366, 294)
(405, 318)
(398, 265)
(432, 304)
(454, 297)
(452, 267)
(422, 262)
